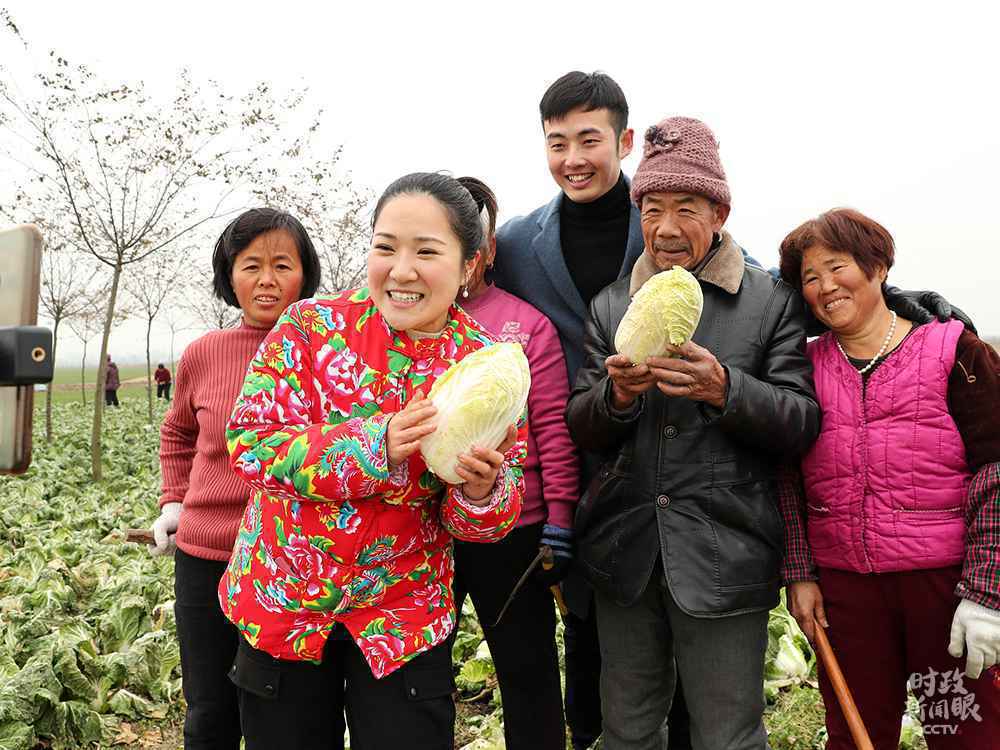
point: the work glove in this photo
(975, 629)
(560, 541)
(165, 530)
(922, 307)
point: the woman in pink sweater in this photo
(523, 642)
(263, 262)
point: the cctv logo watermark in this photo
(944, 701)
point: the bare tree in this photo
(88, 323)
(208, 310)
(310, 184)
(176, 320)
(342, 246)
(107, 170)
(66, 291)
(8, 22)
(154, 280)
(85, 325)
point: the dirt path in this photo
(168, 735)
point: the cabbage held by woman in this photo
(477, 399)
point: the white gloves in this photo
(165, 529)
(975, 628)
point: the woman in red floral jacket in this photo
(342, 569)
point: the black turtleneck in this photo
(593, 237)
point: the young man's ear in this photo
(625, 143)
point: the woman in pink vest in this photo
(893, 533)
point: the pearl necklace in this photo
(878, 356)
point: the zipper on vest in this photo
(954, 509)
(864, 489)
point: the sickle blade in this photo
(520, 582)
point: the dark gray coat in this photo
(696, 485)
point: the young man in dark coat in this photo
(557, 258)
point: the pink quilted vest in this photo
(887, 478)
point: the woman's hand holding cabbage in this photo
(479, 468)
(408, 427)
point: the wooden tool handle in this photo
(547, 564)
(139, 536)
(560, 602)
(858, 732)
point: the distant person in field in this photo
(162, 378)
(112, 382)
(263, 261)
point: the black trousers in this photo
(583, 678)
(295, 704)
(208, 644)
(523, 644)
(679, 720)
(111, 398)
(163, 390)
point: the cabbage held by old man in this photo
(665, 310)
(477, 399)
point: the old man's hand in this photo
(695, 374)
(628, 380)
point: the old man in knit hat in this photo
(679, 533)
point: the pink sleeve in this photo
(557, 455)
(179, 435)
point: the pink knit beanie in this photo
(680, 155)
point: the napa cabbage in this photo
(477, 399)
(666, 309)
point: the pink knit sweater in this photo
(552, 470)
(194, 461)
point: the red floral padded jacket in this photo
(332, 535)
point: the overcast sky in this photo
(887, 107)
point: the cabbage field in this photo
(88, 656)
